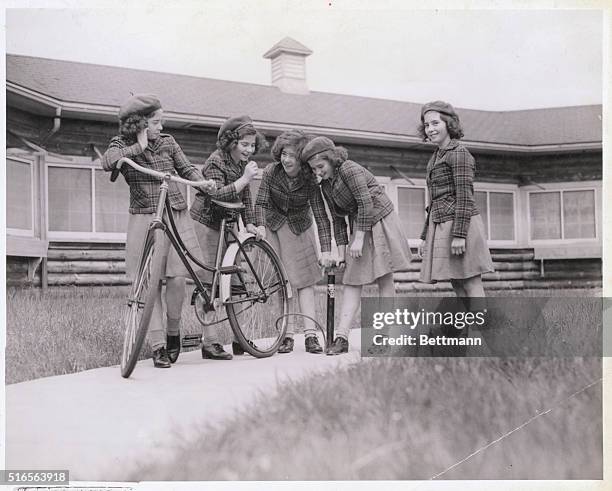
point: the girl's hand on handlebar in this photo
(143, 139)
(250, 171)
(209, 186)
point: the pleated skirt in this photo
(299, 255)
(385, 250)
(438, 262)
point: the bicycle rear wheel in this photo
(252, 310)
(140, 303)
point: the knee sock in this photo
(173, 326)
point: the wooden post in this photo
(41, 205)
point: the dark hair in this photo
(131, 125)
(229, 139)
(335, 157)
(453, 126)
(291, 138)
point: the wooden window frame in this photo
(80, 163)
(560, 188)
(484, 187)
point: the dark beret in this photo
(139, 104)
(235, 124)
(315, 146)
(439, 106)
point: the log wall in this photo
(104, 264)
(76, 137)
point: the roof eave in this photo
(107, 112)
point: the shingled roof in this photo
(99, 85)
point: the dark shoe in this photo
(215, 352)
(286, 346)
(173, 347)
(160, 358)
(339, 346)
(237, 348)
(312, 345)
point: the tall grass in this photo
(398, 418)
(67, 330)
(73, 329)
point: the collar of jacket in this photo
(451, 145)
(229, 161)
(440, 152)
(155, 144)
(336, 173)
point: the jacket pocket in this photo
(448, 204)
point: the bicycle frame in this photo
(219, 271)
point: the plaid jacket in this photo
(353, 191)
(224, 171)
(162, 154)
(450, 181)
(279, 200)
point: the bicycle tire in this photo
(139, 307)
(251, 317)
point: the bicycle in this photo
(248, 280)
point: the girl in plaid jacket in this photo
(232, 171)
(377, 246)
(453, 245)
(140, 139)
(288, 198)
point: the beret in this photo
(235, 124)
(139, 104)
(439, 106)
(315, 146)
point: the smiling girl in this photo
(141, 139)
(288, 198)
(453, 246)
(229, 167)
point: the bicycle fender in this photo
(228, 260)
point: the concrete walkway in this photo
(99, 426)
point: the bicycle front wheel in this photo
(137, 313)
(258, 299)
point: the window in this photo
(579, 214)
(411, 210)
(112, 203)
(19, 196)
(70, 202)
(562, 214)
(84, 204)
(497, 211)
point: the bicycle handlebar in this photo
(155, 173)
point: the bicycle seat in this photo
(229, 205)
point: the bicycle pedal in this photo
(191, 340)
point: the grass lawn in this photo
(74, 329)
(383, 418)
